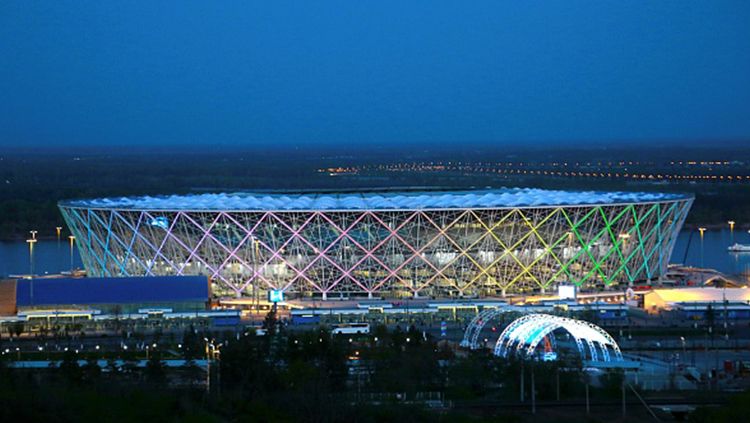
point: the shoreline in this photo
(63, 238)
(708, 226)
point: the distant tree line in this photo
(32, 185)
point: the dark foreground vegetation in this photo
(399, 375)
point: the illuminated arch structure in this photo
(523, 336)
(471, 335)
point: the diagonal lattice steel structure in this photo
(418, 251)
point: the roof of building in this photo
(699, 295)
(406, 200)
(131, 290)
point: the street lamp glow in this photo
(72, 239)
(31, 243)
(702, 230)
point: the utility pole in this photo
(623, 397)
(588, 405)
(533, 391)
(726, 311)
(522, 390)
(72, 239)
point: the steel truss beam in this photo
(441, 253)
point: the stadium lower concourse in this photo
(439, 244)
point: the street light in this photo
(701, 230)
(212, 354)
(72, 239)
(59, 230)
(731, 231)
(31, 243)
(256, 253)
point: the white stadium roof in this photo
(406, 200)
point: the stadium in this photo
(439, 244)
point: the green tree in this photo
(155, 369)
(91, 371)
(69, 368)
(271, 321)
(193, 346)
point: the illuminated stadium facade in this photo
(384, 244)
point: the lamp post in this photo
(31, 242)
(58, 231)
(212, 354)
(72, 239)
(701, 230)
(624, 236)
(256, 253)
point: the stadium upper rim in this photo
(353, 201)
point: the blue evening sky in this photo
(373, 73)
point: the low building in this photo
(668, 299)
(700, 310)
(106, 295)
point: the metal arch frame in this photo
(609, 340)
(525, 333)
(505, 336)
(477, 324)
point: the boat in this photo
(739, 248)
